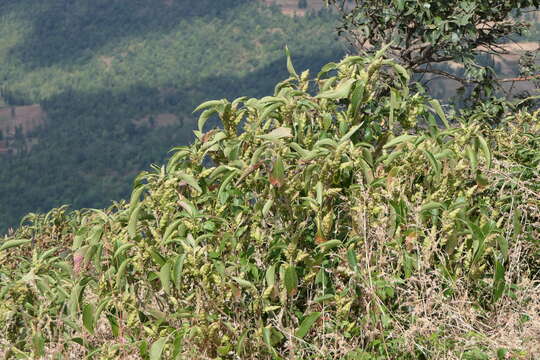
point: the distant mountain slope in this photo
(97, 67)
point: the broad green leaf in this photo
(438, 109)
(435, 165)
(473, 157)
(516, 223)
(432, 205)
(133, 219)
(14, 243)
(400, 139)
(291, 279)
(122, 249)
(485, 148)
(351, 258)
(38, 343)
(191, 181)
(244, 283)
(121, 271)
(204, 118)
(267, 205)
(330, 244)
(320, 192)
(165, 277)
(136, 198)
(178, 268)
(290, 66)
(498, 281)
(340, 92)
(271, 275)
(88, 317)
(306, 324)
(277, 176)
(356, 97)
(207, 104)
(278, 133)
(156, 350)
(170, 228)
(350, 133)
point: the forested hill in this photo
(96, 90)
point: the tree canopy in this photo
(421, 34)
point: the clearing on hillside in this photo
(27, 118)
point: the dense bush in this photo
(359, 222)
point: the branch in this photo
(467, 82)
(445, 74)
(523, 78)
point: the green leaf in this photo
(204, 118)
(327, 245)
(157, 348)
(271, 275)
(121, 271)
(244, 283)
(165, 277)
(485, 149)
(267, 205)
(351, 258)
(14, 243)
(278, 133)
(291, 279)
(132, 224)
(207, 104)
(277, 176)
(356, 97)
(74, 299)
(401, 71)
(178, 268)
(306, 324)
(191, 181)
(88, 318)
(320, 193)
(498, 281)
(432, 205)
(290, 66)
(400, 139)
(438, 109)
(170, 228)
(340, 92)
(473, 157)
(38, 343)
(436, 166)
(516, 223)
(135, 198)
(393, 107)
(350, 133)
(122, 249)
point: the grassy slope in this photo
(96, 66)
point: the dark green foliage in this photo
(98, 66)
(421, 34)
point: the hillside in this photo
(116, 82)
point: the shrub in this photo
(355, 223)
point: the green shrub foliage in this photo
(343, 217)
